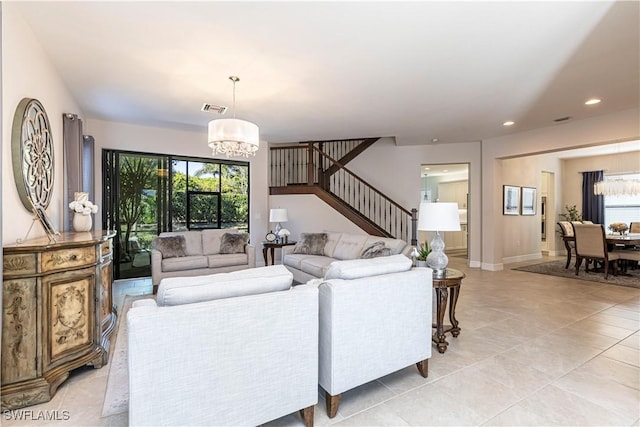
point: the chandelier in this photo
(617, 187)
(233, 137)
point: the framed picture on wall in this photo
(510, 200)
(528, 201)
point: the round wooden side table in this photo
(449, 283)
(266, 246)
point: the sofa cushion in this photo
(395, 245)
(184, 263)
(316, 265)
(227, 260)
(193, 240)
(378, 249)
(295, 260)
(211, 239)
(233, 243)
(350, 246)
(187, 290)
(170, 246)
(355, 269)
(332, 241)
(311, 244)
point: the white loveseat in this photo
(202, 256)
(224, 350)
(339, 247)
(375, 319)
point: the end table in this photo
(273, 245)
(451, 280)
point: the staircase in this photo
(319, 168)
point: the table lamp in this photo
(278, 216)
(438, 217)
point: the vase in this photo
(81, 222)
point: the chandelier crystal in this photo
(617, 187)
(233, 137)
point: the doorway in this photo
(448, 183)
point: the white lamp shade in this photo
(234, 130)
(278, 215)
(438, 217)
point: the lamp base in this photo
(437, 259)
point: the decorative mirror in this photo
(32, 155)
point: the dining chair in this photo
(569, 239)
(591, 244)
(634, 227)
(587, 222)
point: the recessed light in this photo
(592, 101)
(508, 123)
(427, 169)
(445, 170)
(435, 140)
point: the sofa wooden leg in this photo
(423, 368)
(332, 404)
(307, 416)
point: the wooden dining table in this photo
(630, 239)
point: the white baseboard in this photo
(492, 267)
(475, 264)
(520, 258)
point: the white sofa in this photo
(242, 359)
(202, 256)
(375, 319)
(339, 247)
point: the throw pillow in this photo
(311, 244)
(376, 250)
(233, 243)
(170, 246)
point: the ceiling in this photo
(454, 71)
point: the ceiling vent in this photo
(562, 119)
(220, 109)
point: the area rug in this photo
(556, 268)
(116, 398)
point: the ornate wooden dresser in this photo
(57, 313)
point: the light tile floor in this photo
(534, 350)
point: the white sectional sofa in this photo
(338, 247)
(201, 256)
(223, 350)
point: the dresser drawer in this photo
(18, 264)
(106, 248)
(68, 258)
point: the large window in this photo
(145, 194)
(622, 208)
(209, 195)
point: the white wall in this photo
(123, 136)
(308, 214)
(28, 73)
(396, 170)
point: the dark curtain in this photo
(592, 205)
(72, 162)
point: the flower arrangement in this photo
(284, 232)
(618, 227)
(83, 207)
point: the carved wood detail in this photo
(19, 264)
(18, 329)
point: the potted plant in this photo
(421, 254)
(572, 214)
